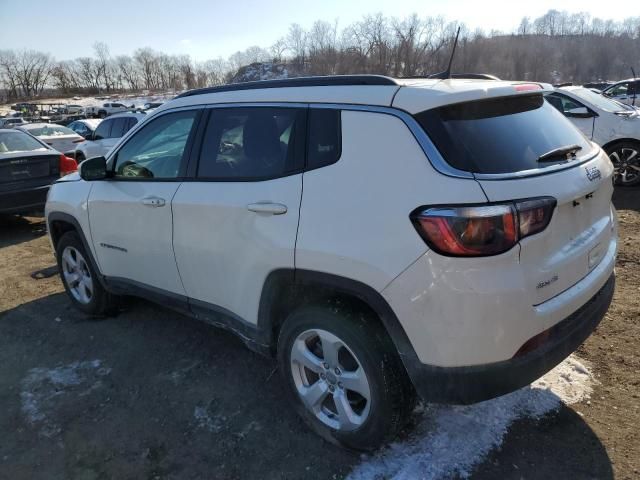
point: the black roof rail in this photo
(319, 81)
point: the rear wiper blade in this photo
(569, 150)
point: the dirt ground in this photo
(151, 394)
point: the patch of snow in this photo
(207, 421)
(42, 387)
(451, 440)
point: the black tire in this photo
(102, 114)
(619, 153)
(392, 396)
(101, 302)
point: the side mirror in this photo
(580, 112)
(93, 169)
(88, 136)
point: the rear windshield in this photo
(504, 135)
(18, 142)
(51, 131)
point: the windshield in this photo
(51, 131)
(597, 99)
(18, 142)
(502, 135)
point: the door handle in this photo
(272, 208)
(153, 201)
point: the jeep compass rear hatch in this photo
(521, 148)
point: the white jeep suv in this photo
(380, 237)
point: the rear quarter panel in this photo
(354, 217)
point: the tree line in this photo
(556, 47)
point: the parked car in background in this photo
(28, 166)
(106, 135)
(106, 109)
(496, 262)
(85, 127)
(597, 85)
(625, 91)
(61, 138)
(612, 125)
(10, 122)
(73, 109)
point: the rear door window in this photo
(324, 137)
(104, 130)
(503, 135)
(252, 143)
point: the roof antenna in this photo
(633, 72)
(447, 73)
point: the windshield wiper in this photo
(566, 151)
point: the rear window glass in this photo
(18, 142)
(504, 135)
(50, 131)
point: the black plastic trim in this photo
(282, 279)
(66, 218)
(318, 81)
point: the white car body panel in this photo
(607, 126)
(133, 240)
(339, 232)
(224, 251)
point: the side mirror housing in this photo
(580, 112)
(93, 169)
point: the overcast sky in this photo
(210, 28)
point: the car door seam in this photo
(173, 249)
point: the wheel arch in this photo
(59, 223)
(287, 289)
(612, 143)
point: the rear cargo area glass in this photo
(503, 135)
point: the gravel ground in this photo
(153, 394)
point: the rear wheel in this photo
(625, 157)
(79, 278)
(344, 376)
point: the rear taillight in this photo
(67, 165)
(477, 231)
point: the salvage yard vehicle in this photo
(418, 257)
(106, 135)
(105, 110)
(625, 91)
(612, 125)
(85, 127)
(28, 166)
(58, 137)
(10, 122)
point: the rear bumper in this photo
(463, 385)
(23, 201)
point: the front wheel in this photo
(344, 376)
(79, 278)
(625, 157)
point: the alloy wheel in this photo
(626, 162)
(330, 380)
(77, 275)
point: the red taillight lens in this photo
(477, 231)
(67, 165)
(534, 215)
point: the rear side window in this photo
(504, 135)
(120, 127)
(252, 143)
(324, 138)
(103, 130)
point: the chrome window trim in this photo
(431, 152)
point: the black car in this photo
(27, 169)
